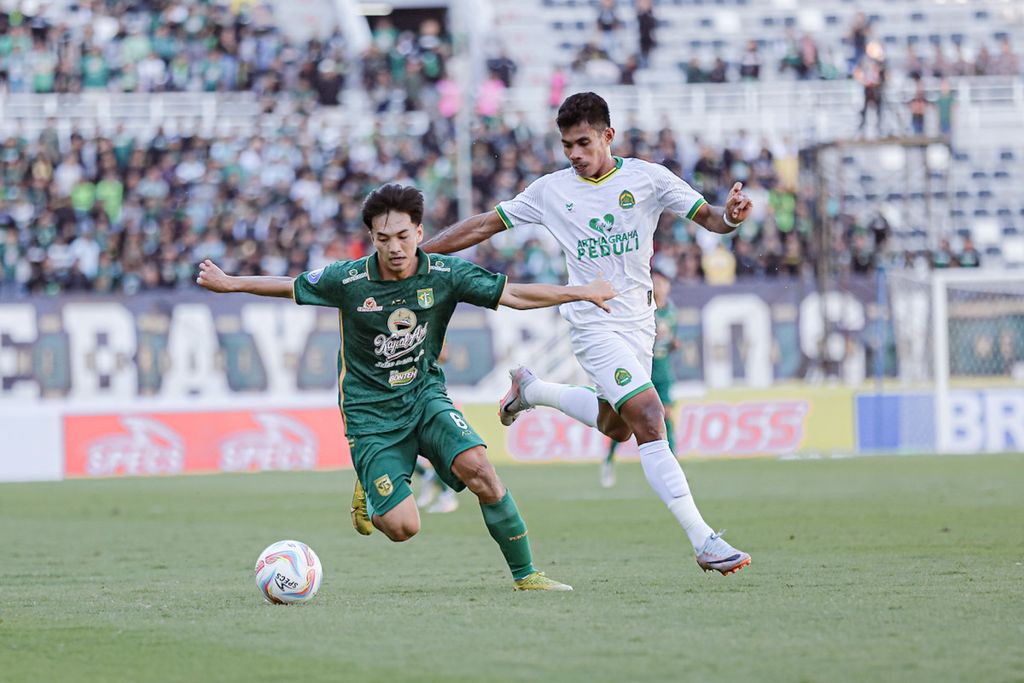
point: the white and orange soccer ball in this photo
(288, 572)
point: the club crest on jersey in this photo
(425, 297)
(314, 275)
(602, 224)
(401, 322)
(384, 486)
(627, 200)
(370, 306)
(622, 377)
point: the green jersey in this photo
(665, 334)
(392, 332)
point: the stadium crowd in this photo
(611, 57)
(169, 46)
(124, 214)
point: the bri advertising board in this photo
(728, 423)
(162, 443)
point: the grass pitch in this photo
(892, 569)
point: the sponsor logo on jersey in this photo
(399, 378)
(401, 322)
(602, 224)
(622, 377)
(406, 336)
(627, 200)
(314, 275)
(370, 306)
(441, 266)
(383, 485)
(612, 245)
(425, 297)
(354, 275)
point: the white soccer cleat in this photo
(445, 503)
(719, 556)
(607, 474)
(513, 402)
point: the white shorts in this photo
(617, 362)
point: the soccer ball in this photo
(288, 572)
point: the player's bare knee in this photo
(649, 424)
(477, 473)
(615, 429)
(402, 530)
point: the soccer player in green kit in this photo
(665, 342)
(394, 307)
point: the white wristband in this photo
(725, 219)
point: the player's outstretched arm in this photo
(211, 277)
(522, 296)
(465, 233)
(737, 208)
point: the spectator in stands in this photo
(918, 105)
(860, 31)
(1006, 62)
(646, 23)
(503, 67)
(719, 265)
(695, 72)
(944, 257)
(944, 104)
(870, 73)
(750, 63)
(608, 25)
(969, 256)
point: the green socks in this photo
(509, 530)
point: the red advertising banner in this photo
(145, 444)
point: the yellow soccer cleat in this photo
(360, 519)
(538, 582)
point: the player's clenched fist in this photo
(213, 278)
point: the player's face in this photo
(662, 287)
(588, 149)
(396, 237)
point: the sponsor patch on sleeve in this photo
(314, 275)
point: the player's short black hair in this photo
(584, 107)
(393, 197)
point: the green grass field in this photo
(879, 569)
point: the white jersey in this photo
(606, 229)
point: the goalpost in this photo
(978, 335)
(959, 335)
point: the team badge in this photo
(370, 306)
(383, 485)
(626, 200)
(622, 377)
(425, 297)
(401, 322)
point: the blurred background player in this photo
(394, 307)
(604, 211)
(665, 342)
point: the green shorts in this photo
(385, 462)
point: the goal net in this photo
(959, 337)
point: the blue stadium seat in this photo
(984, 193)
(1010, 231)
(1006, 155)
(981, 212)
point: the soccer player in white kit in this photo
(603, 211)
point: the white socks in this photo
(667, 479)
(578, 403)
